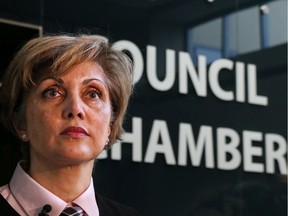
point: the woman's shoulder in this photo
(6, 208)
(108, 207)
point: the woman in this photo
(65, 98)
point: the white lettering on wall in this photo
(201, 148)
(196, 148)
(136, 54)
(169, 79)
(160, 131)
(276, 148)
(253, 98)
(214, 71)
(240, 82)
(199, 78)
(252, 151)
(228, 142)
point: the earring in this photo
(107, 142)
(24, 137)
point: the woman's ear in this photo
(110, 129)
(20, 128)
(108, 135)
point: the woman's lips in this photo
(74, 132)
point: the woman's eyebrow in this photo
(58, 80)
(86, 81)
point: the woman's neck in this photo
(67, 182)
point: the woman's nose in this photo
(73, 108)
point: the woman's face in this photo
(68, 117)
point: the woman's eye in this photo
(51, 93)
(94, 94)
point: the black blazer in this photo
(106, 207)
